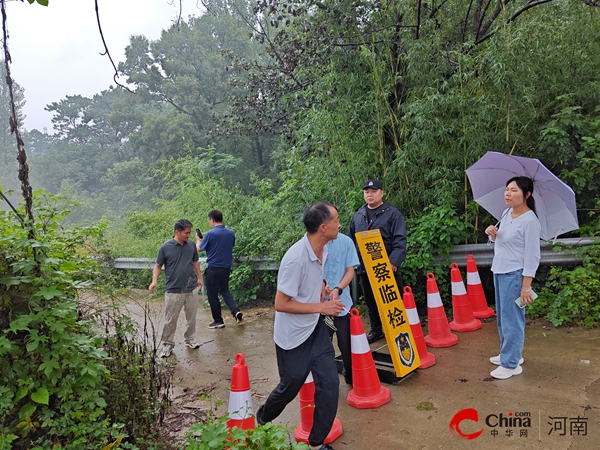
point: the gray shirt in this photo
(178, 260)
(301, 277)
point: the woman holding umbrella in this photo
(516, 259)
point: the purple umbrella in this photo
(554, 200)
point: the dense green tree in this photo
(415, 92)
(38, 142)
(86, 145)
(185, 75)
(182, 85)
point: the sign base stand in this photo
(384, 366)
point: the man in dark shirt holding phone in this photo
(218, 245)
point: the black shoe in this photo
(258, 419)
(239, 317)
(217, 325)
(347, 376)
(375, 335)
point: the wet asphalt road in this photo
(553, 404)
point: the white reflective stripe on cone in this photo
(413, 316)
(359, 344)
(240, 405)
(473, 278)
(434, 300)
(458, 288)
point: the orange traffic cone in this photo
(306, 397)
(463, 319)
(437, 323)
(427, 359)
(241, 412)
(481, 310)
(367, 391)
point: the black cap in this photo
(373, 184)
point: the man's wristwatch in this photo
(339, 289)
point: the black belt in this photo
(177, 291)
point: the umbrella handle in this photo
(489, 242)
(556, 236)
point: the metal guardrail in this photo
(482, 253)
(134, 263)
(148, 263)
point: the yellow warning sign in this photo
(389, 302)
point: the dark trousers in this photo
(313, 355)
(374, 318)
(342, 323)
(217, 282)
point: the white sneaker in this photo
(496, 360)
(192, 344)
(166, 351)
(502, 373)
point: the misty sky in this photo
(56, 50)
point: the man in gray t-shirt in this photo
(183, 279)
(302, 343)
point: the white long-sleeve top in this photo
(517, 244)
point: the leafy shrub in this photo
(433, 234)
(572, 139)
(64, 383)
(249, 284)
(51, 365)
(214, 435)
(572, 295)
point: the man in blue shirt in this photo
(218, 244)
(339, 272)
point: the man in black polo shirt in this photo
(183, 279)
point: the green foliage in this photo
(571, 295)
(51, 365)
(433, 234)
(250, 284)
(86, 145)
(214, 435)
(416, 104)
(171, 75)
(572, 136)
(65, 382)
(108, 147)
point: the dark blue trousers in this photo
(342, 323)
(217, 282)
